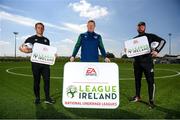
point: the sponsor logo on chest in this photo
(95, 37)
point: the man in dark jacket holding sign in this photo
(37, 68)
(144, 64)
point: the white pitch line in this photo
(26, 75)
(122, 79)
(161, 77)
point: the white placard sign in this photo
(43, 54)
(137, 46)
(91, 85)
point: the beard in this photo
(141, 31)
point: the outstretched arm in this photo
(102, 50)
(76, 49)
(161, 42)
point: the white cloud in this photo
(11, 9)
(25, 20)
(68, 41)
(64, 47)
(5, 7)
(17, 19)
(76, 28)
(24, 37)
(85, 9)
(4, 43)
(113, 46)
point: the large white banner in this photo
(43, 54)
(91, 85)
(138, 46)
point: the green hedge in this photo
(61, 59)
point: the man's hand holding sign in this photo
(43, 54)
(140, 46)
(89, 84)
(143, 48)
(137, 46)
(89, 42)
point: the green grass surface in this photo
(16, 95)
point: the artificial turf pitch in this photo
(16, 94)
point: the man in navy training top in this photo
(89, 43)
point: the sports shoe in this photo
(37, 101)
(151, 104)
(135, 99)
(49, 101)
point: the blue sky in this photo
(65, 19)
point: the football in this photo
(154, 45)
(28, 45)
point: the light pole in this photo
(170, 43)
(15, 35)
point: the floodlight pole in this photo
(15, 35)
(170, 43)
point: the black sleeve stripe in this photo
(161, 44)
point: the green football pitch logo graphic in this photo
(71, 90)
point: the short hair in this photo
(39, 23)
(92, 22)
(141, 23)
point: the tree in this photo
(124, 56)
(110, 55)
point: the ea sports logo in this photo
(45, 49)
(91, 72)
(135, 41)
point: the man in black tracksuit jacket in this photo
(144, 64)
